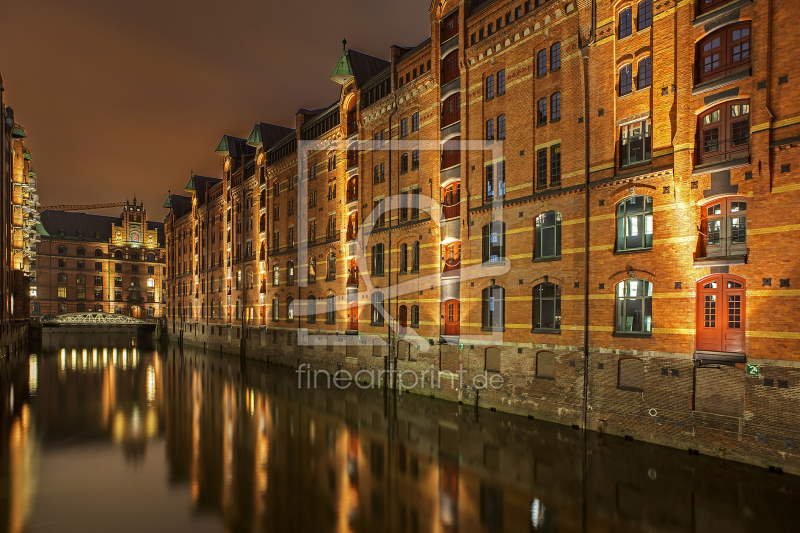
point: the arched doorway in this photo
(452, 317)
(721, 313)
(136, 311)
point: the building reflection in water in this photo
(253, 450)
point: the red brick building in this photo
(583, 197)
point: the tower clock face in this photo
(134, 236)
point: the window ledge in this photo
(632, 335)
(551, 378)
(719, 12)
(706, 262)
(639, 250)
(723, 80)
(546, 332)
(377, 324)
(630, 389)
(555, 69)
(288, 321)
(734, 357)
(545, 259)
(722, 165)
(631, 166)
(330, 322)
(555, 120)
(492, 328)
(489, 264)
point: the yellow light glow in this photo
(33, 375)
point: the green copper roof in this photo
(255, 137)
(41, 231)
(222, 147)
(32, 174)
(26, 156)
(190, 187)
(18, 133)
(168, 202)
(343, 71)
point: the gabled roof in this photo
(198, 185)
(235, 147)
(365, 66)
(93, 227)
(266, 135)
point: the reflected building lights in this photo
(151, 384)
(33, 375)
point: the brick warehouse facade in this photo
(18, 217)
(602, 236)
(98, 263)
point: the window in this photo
(518, 13)
(555, 57)
(415, 203)
(490, 86)
(331, 266)
(501, 127)
(80, 264)
(635, 223)
(721, 313)
(625, 80)
(276, 309)
(541, 112)
(501, 82)
(62, 263)
(494, 242)
(414, 316)
(490, 129)
(403, 258)
(81, 293)
(377, 308)
(289, 309)
(625, 23)
(541, 63)
(644, 15)
(635, 143)
(724, 133)
(62, 250)
(98, 280)
(415, 122)
(98, 267)
(377, 260)
(724, 228)
(81, 252)
(311, 312)
(402, 317)
(634, 306)
(276, 275)
(404, 163)
(644, 77)
(415, 257)
(555, 165)
(555, 107)
(547, 307)
(404, 128)
(541, 168)
(312, 270)
(62, 292)
(723, 51)
(330, 309)
(493, 308)
(289, 273)
(415, 160)
(547, 239)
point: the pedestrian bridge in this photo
(94, 319)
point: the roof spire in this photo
(343, 72)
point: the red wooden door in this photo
(354, 316)
(452, 317)
(721, 314)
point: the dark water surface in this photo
(111, 434)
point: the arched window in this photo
(403, 258)
(290, 309)
(402, 316)
(494, 242)
(634, 306)
(451, 198)
(723, 52)
(331, 266)
(545, 365)
(312, 270)
(249, 279)
(547, 307)
(451, 110)
(151, 257)
(724, 227)
(635, 223)
(238, 309)
(547, 239)
(117, 254)
(81, 251)
(276, 274)
(451, 153)
(721, 313)
(377, 308)
(414, 316)
(213, 308)
(452, 317)
(276, 309)
(630, 374)
(221, 285)
(723, 133)
(98, 252)
(493, 308)
(377, 260)
(331, 309)
(492, 363)
(290, 273)
(555, 57)
(415, 257)
(311, 312)
(238, 280)
(62, 250)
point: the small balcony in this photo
(352, 189)
(352, 276)
(452, 268)
(451, 211)
(352, 158)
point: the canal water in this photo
(108, 433)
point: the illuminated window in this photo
(635, 223)
(634, 306)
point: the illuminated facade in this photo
(18, 218)
(98, 263)
(601, 236)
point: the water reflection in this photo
(108, 434)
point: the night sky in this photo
(125, 98)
